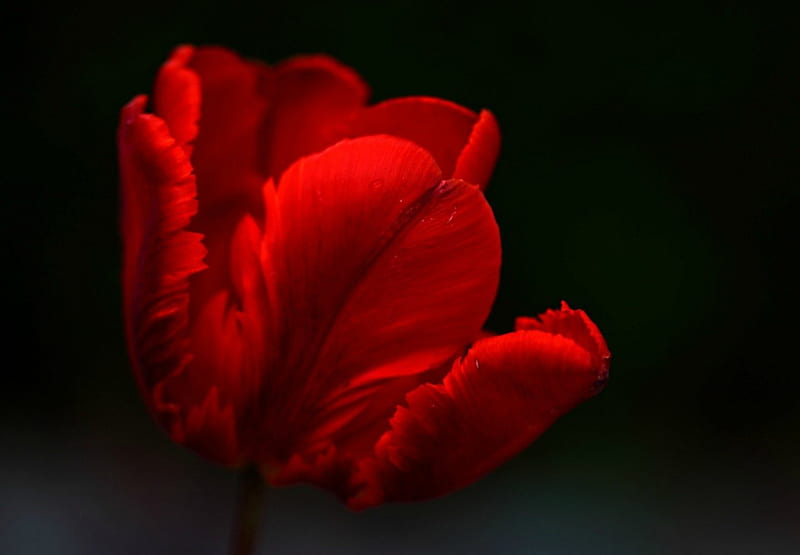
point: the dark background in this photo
(649, 174)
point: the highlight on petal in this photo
(383, 271)
(443, 128)
(497, 399)
(160, 256)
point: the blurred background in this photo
(649, 174)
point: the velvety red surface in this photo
(306, 278)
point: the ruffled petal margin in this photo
(494, 401)
(497, 399)
(157, 202)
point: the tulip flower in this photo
(306, 278)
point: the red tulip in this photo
(306, 277)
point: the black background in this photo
(649, 174)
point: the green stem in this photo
(248, 512)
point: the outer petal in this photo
(496, 400)
(383, 271)
(476, 162)
(158, 201)
(576, 325)
(464, 145)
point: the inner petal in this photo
(440, 127)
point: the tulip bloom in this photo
(306, 278)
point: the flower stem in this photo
(248, 512)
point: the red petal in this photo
(440, 127)
(495, 401)
(229, 148)
(177, 96)
(574, 324)
(383, 270)
(476, 161)
(230, 97)
(158, 201)
(313, 98)
(210, 430)
(231, 344)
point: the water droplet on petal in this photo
(452, 214)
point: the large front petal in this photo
(495, 401)
(382, 271)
